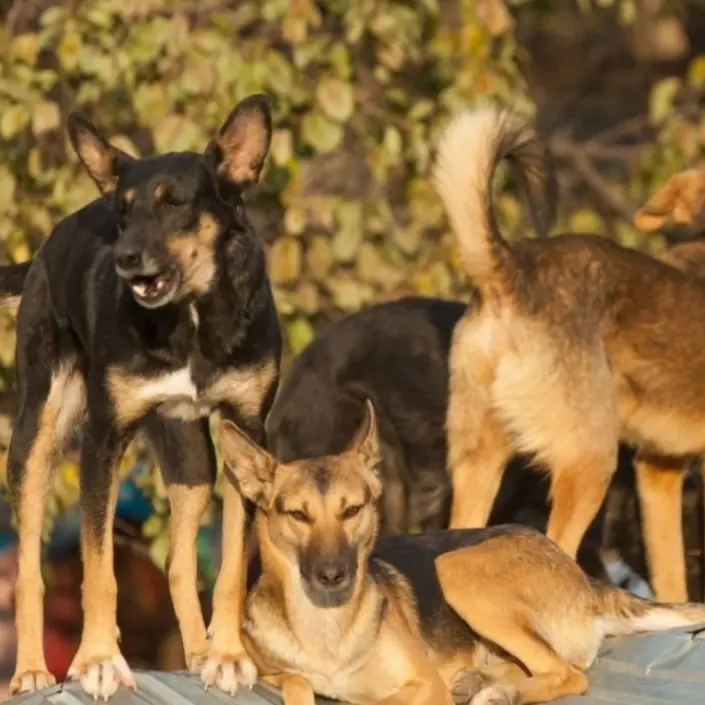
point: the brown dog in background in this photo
(429, 619)
(576, 343)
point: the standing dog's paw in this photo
(195, 663)
(102, 678)
(229, 672)
(30, 681)
(495, 695)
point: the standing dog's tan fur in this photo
(576, 344)
(462, 616)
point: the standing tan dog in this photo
(453, 616)
(576, 344)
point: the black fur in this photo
(396, 354)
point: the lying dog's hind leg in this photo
(660, 488)
(187, 460)
(503, 620)
(98, 663)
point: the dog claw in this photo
(102, 680)
(31, 682)
(229, 674)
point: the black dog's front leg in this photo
(98, 663)
(228, 663)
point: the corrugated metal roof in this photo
(650, 669)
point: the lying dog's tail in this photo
(469, 151)
(622, 613)
(12, 279)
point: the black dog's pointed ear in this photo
(365, 445)
(238, 151)
(101, 159)
(247, 464)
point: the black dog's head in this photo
(318, 517)
(172, 208)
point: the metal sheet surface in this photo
(651, 669)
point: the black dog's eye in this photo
(173, 201)
(298, 515)
(352, 511)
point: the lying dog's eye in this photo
(172, 202)
(352, 511)
(298, 515)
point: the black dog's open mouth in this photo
(155, 290)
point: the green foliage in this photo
(360, 90)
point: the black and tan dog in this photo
(575, 344)
(396, 355)
(465, 615)
(145, 310)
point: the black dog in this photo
(396, 354)
(145, 310)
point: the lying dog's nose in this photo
(331, 575)
(128, 258)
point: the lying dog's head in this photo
(172, 208)
(317, 518)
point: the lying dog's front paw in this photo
(196, 662)
(467, 684)
(101, 678)
(495, 695)
(229, 672)
(30, 681)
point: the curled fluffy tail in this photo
(12, 281)
(623, 613)
(469, 151)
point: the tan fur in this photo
(188, 504)
(681, 200)
(488, 630)
(195, 253)
(575, 344)
(134, 395)
(64, 404)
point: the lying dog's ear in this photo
(101, 159)
(365, 445)
(681, 199)
(248, 465)
(237, 153)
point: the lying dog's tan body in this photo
(421, 620)
(576, 344)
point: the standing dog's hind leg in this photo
(29, 472)
(660, 489)
(98, 663)
(187, 461)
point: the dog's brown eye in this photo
(298, 515)
(352, 511)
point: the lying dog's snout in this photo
(332, 574)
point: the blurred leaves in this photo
(361, 89)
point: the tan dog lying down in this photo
(498, 615)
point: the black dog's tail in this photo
(12, 279)
(469, 151)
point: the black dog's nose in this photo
(128, 257)
(331, 575)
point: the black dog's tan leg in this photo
(98, 663)
(228, 663)
(507, 620)
(421, 692)
(660, 488)
(29, 475)
(52, 399)
(187, 461)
